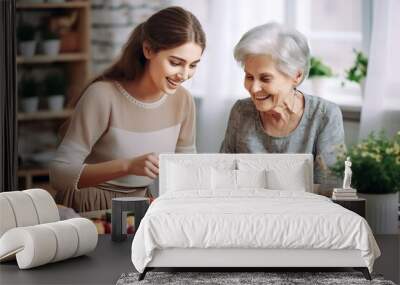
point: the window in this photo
(333, 28)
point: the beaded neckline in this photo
(139, 103)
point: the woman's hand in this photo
(145, 165)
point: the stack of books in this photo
(344, 194)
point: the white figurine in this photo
(347, 174)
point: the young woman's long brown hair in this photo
(166, 29)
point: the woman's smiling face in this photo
(268, 87)
(169, 68)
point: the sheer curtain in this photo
(381, 106)
(218, 82)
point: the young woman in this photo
(134, 110)
(278, 118)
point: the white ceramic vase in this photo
(382, 212)
(27, 49)
(51, 47)
(30, 105)
(56, 102)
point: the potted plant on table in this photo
(318, 74)
(358, 72)
(376, 176)
(50, 43)
(27, 92)
(26, 40)
(55, 86)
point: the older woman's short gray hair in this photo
(287, 47)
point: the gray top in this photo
(319, 132)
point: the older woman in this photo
(278, 118)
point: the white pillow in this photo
(251, 178)
(293, 180)
(223, 179)
(282, 174)
(235, 179)
(181, 177)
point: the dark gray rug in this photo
(230, 278)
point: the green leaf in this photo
(318, 69)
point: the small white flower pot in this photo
(318, 86)
(51, 47)
(56, 102)
(27, 49)
(30, 105)
(382, 212)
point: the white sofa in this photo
(31, 233)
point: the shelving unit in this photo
(44, 115)
(65, 5)
(30, 173)
(40, 59)
(78, 63)
(77, 66)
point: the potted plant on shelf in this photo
(55, 86)
(358, 72)
(50, 43)
(55, 1)
(318, 74)
(27, 92)
(376, 176)
(26, 40)
(31, 1)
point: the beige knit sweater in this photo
(108, 123)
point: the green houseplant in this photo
(358, 71)
(375, 164)
(50, 42)
(317, 74)
(54, 88)
(25, 32)
(376, 176)
(318, 68)
(49, 35)
(26, 40)
(27, 92)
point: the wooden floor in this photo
(110, 260)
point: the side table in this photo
(355, 205)
(120, 207)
